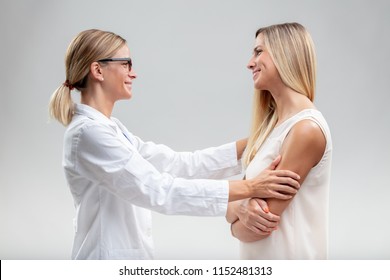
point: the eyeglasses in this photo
(128, 60)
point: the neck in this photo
(289, 102)
(96, 99)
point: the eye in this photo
(257, 52)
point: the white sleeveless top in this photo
(303, 229)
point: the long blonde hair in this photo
(87, 47)
(292, 51)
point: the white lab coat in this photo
(115, 178)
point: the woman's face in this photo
(118, 78)
(262, 66)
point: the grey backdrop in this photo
(193, 91)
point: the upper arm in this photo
(302, 149)
(99, 152)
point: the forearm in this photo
(211, 163)
(277, 206)
(231, 214)
(242, 233)
(240, 189)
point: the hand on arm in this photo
(251, 218)
(254, 222)
(254, 214)
(281, 184)
(302, 150)
(237, 207)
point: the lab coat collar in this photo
(92, 113)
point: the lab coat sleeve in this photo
(211, 163)
(103, 158)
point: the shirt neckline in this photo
(92, 113)
(295, 115)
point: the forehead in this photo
(124, 51)
(259, 40)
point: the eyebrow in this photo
(255, 49)
(258, 46)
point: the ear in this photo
(96, 71)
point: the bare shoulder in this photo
(306, 139)
(309, 132)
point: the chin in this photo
(259, 87)
(128, 95)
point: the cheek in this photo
(264, 77)
(271, 66)
(259, 82)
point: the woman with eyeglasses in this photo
(116, 178)
(286, 122)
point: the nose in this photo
(132, 73)
(251, 64)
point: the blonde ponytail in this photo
(88, 46)
(61, 106)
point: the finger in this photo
(259, 217)
(286, 173)
(265, 225)
(263, 204)
(275, 163)
(286, 181)
(263, 228)
(259, 231)
(267, 216)
(283, 189)
(293, 183)
(271, 217)
(279, 195)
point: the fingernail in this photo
(266, 210)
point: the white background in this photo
(193, 91)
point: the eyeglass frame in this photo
(129, 62)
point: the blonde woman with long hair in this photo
(285, 122)
(116, 178)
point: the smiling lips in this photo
(255, 72)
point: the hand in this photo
(280, 184)
(255, 215)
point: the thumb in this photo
(263, 204)
(275, 163)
